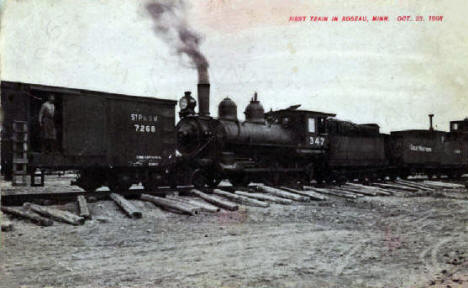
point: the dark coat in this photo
(46, 119)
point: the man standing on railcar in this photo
(47, 124)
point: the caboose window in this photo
(311, 125)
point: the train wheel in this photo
(119, 186)
(150, 186)
(341, 180)
(239, 180)
(200, 179)
(214, 181)
(89, 186)
(87, 181)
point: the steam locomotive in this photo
(296, 146)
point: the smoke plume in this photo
(170, 24)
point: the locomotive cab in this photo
(309, 127)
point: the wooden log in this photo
(83, 207)
(282, 194)
(377, 190)
(206, 207)
(170, 204)
(311, 194)
(126, 206)
(446, 185)
(215, 200)
(265, 197)
(414, 185)
(241, 199)
(387, 192)
(56, 214)
(18, 212)
(332, 192)
(365, 192)
(394, 186)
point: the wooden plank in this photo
(241, 199)
(377, 190)
(357, 191)
(265, 197)
(439, 184)
(215, 200)
(126, 206)
(83, 207)
(282, 194)
(414, 185)
(56, 214)
(311, 194)
(170, 204)
(332, 192)
(394, 186)
(35, 218)
(206, 207)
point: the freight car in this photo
(430, 152)
(265, 147)
(110, 139)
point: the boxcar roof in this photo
(75, 91)
(416, 132)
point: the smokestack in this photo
(431, 128)
(203, 99)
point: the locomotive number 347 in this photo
(316, 140)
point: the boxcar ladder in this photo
(20, 153)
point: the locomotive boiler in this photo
(286, 144)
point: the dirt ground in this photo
(394, 241)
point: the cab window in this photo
(311, 125)
(455, 126)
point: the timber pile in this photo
(282, 194)
(333, 192)
(21, 213)
(265, 197)
(241, 199)
(203, 206)
(215, 200)
(83, 207)
(311, 194)
(171, 204)
(126, 206)
(56, 214)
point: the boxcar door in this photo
(84, 125)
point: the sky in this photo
(392, 73)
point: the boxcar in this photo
(110, 139)
(430, 152)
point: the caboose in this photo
(110, 139)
